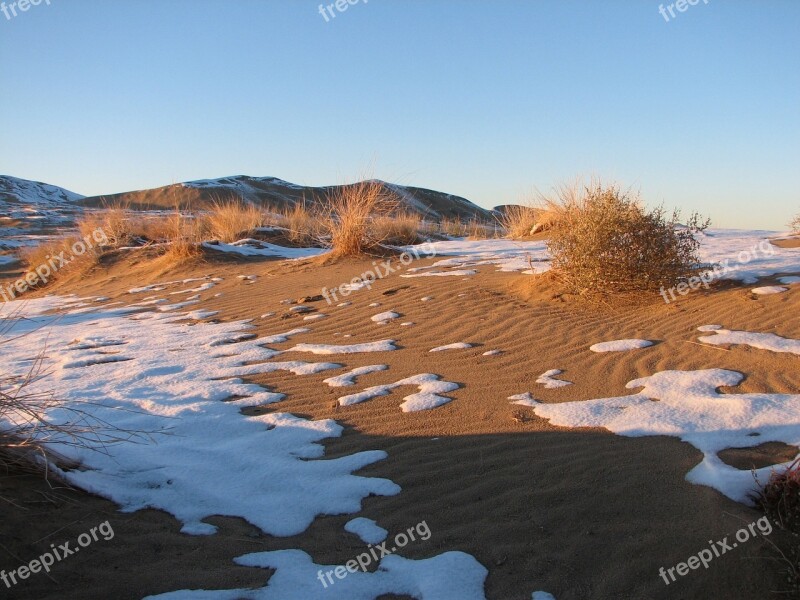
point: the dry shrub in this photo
(453, 227)
(603, 239)
(399, 230)
(45, 255)
(304, 227)
(780, 497)
(27, 421)
(795, 224)
(185, 234)
(232, 220)
(118, 225)
(350, 211)
(518, 221)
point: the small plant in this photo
(518, 221)
(304, 226)
(399, 230)
(780, 497)
(230, 221)
(603, 239)
(351, 209)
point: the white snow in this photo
(428, 397)
(385, 317)
(523, 399)
(493, 353)
(456, 346)
(380, 346)
(366, 529)
(316, 317)
(769, 290)
(349, 378)
(548, 381)
(7, 260)
(791, 280)
(173, 385)
(542, 596)
(250, 247)
(448, 576)
(762, 341)
(458, 273)
(620, 345)
(687, 405)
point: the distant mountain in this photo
(18, 193)
(279, 194)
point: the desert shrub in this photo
(603, 239)
(43, 262)
(229, 221)
(119, 225)
(453, 227)
(304, 226)
(780, 497)
(518, 221)
(400, 229)
(795, 224)
(184, 234)
(351, 209)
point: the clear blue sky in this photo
(485, 99)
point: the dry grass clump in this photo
(780, 497)
(525, 220)
(603, 240)
(453, 227)
(185, 234)
(304, 226)
(518, 221)
(350, 211)
(398, 230)
(119, 225)
(232, 220)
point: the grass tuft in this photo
(350, 211)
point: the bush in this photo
(399, 230)
(604, 240)
(351, 209)
(304, 227)
(780, 497)
(232, 220)
(795, 224)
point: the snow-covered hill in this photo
(15, 192)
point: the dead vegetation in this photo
(32, 418)
(604, 240)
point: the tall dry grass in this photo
(350, 211)
(604, 240)
(518, 221)
(303, 225)
(232, 220)
(398, 230)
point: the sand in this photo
(580, 513)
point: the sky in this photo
(489, 100)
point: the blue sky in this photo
(485, 99)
